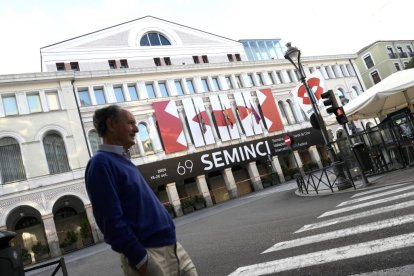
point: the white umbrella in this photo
(391, 94)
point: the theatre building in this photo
(217, 120)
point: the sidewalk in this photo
(391, 178)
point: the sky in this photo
(316, 27)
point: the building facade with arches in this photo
(230, 117)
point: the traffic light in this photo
(330, 101)
(333, 107)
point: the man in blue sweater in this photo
(128, 213)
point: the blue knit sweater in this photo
(125, 208)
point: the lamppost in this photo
(293, 54)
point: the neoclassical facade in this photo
(230, 115)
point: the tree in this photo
(410, 64)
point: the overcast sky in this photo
(317, 27)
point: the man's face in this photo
(122, 131)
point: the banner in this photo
(316, 83)
(171, 170)
(269, 109)
(224, 117)
(171, 130)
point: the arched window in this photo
(94, 140)
(55, 150)
(154, 39)
(283, 113)
(354, 91)
(291, 113)
(11, 164)
(145, 139)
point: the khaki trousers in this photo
(170, 260)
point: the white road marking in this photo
(325, 256)
(366, 204)
(371, 191)
(382, 224)
(353, 201)
(357, 216)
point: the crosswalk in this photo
(368, 212)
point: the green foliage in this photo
(40, 249)
(85, 229)
(410, 64)
(187, 202)
(169, 207)
(310, 166)
(199, 199)
(71, 238)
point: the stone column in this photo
(230, 182)
(209, 113)
(298, 162)
(203, 189)
(254, 176)
(51, 235)
(186, 134)
(153, 134)
(278, 168)
(315, 156)
(174, 199)
(96, 233)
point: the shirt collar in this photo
(115, 149)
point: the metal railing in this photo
(60, 264)
(325, 178)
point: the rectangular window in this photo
(410, 51)
(163, 89)
(112, 64)
(167, 61)
(239, 83)
(368, 62)
(74, 66)
(196, 59)
(229, 83)
(375, 77)
(397, 66)
(124, 63)
(190, 86)
(157, 61)
(260, 79)
(230, 57)
(238, 58)
(250, 82)
(119, 94)
(99, 96)
(206, 88)
(272, 81)
(10, 105)
(216, 86)
(279, 76)
(391, 52)
(60, 66)
(132, 90)
(179, 87)
(53, 100)
(34, 103)
(84, 97)
(205, 59)
(150, 90)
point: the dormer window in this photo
(154, 39)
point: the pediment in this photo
(128, 35)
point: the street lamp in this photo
(293, 55)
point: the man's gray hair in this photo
(101, 115)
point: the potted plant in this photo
(69, 243)
(85, 232)
(199, 202)
(187, 204)
(25, 256)
(40, 251)
(170, 208)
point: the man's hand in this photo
(143, 269)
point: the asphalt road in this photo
(370, 231)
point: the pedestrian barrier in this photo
(325, 178)
(60, 265)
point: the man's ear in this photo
(110, 124)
